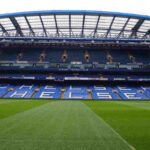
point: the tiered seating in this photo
(8, 55)
(141, 57)
(53, 55)
(101, 93)
(146, 91)
(48, 92)
(76, 55)
(131, 93)
(98, 56)
(120, 56)
(4, 89)
(32, 56)
(23, 91)
(76, 93)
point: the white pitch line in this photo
(102, 120)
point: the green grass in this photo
(74, 125)
(12, 107)
(130, 119)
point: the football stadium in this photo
(74, 80)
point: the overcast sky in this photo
(127, 6)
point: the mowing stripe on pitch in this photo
(59, 125)
(140, 105)
(102, 120)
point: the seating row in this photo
(75, 92)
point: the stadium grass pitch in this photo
(74, 125)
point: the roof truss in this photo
(57, 30)
(43, 26)
(17, 26)
(108, 31)
(136, 28)
(75, 26)
(95, 31)
(30, 28)
(123, 28)
(83, 22)
(3, 29)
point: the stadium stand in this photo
(75, 92)
(88, 55)
(52, 92)
(77, 55)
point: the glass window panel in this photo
(115, 26)
(38, 30)
(22, 22)
(64, 30)
(105, 21)
(49, 24)
(1, 33)
(51, 31)
(76, 21)
(27, 33)
(31, 18)
(35, 21)
(90, 21)
(12, 33)
(62, 24)
(143, 29)
(62, 21)
(88, 32)
(8, 27)
(101, 31)
(131, 24)
(47, 17)
(76, 31)
(127, 33)
(112, 35)
(7, 24)
(145, 26)
(118, 23)
(114, 32)
(89, 25)
(76, 17)
(5, 21)
(140, 35)
(49, 21)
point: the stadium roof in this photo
(75, 24)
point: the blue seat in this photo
(54, 55)
(132, 93)
(3, 90)
(102, 93)
(21, 92)
(76, 92)
(48, 92)
(141, 56)
(98, 56)
(120, 56)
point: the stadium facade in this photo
(75, 55)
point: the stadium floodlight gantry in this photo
(75, 25)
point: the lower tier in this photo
(75, 92)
